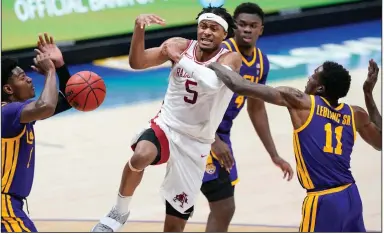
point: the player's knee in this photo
(224, 210)
(145, 153)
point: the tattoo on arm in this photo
(293, 97)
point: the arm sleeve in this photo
(204, 75)
(62, 103)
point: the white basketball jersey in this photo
(191, 108)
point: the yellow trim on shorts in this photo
(329, 191)
(8, 216)
(235, 182)
(309, 212)
(309, 208)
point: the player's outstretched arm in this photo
(366, 128)
(45, 105)
(283, 96)
(139, 57)
(369, 84)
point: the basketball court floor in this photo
(80, 156)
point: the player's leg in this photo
(147, 151)
(325, 211)
(355, 222)
(183, 179)
(13, 218)
(174, 220)
(220, 195)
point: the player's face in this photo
(210, 35)
(249, 28)
(20, 85)
(314, 86)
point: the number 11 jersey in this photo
(323, 146)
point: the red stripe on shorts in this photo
(163, 140)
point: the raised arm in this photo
(366, 128)
(369, 84)
(283, 96)
(141, 58)
(48, 46)
(45, 105)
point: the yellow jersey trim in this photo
(261, 66)
(339, 107)
(353, 122)
(9, 148)
(310, 116)
(300, 164)
(228, 45)
(245, 61)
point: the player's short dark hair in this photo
(249, 8)
(336, 80)
(7, 65)
(223, 13)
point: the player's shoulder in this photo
(183, 43)
(357, 111)
(360, 116)
(8, 108)
(231, 55)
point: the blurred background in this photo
(95, 35)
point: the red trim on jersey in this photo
(163, 140)
(189, 45)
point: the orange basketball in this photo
(85, 91)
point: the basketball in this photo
(85, 91)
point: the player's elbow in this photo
(135, 63)
(45, 109)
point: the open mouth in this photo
(205, 41)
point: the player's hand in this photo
(148, 19)
(47, 45)
(284, 166)
(373, 72)
(223, 154)
(43, 63)
(172, 50)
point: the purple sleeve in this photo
(10, 118)
(264, 77)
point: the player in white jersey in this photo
(183, 131)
